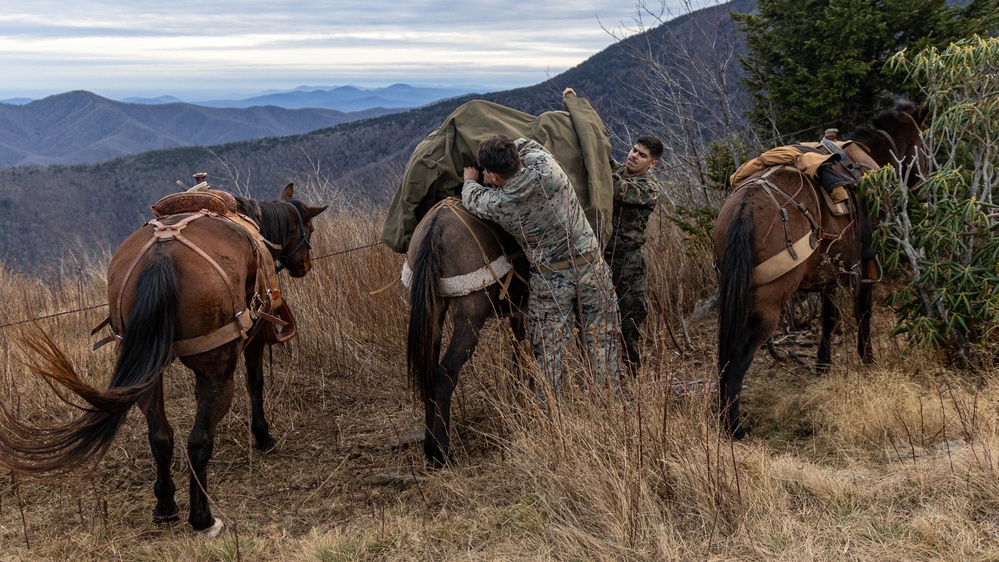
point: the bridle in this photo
(279, 260)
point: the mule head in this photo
(902, 141)
(295, 248)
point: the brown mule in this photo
(194, 292)
(447, 255)
(780, 214)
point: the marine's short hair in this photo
(498, 154)
(654, 145)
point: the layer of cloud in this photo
(153, 48)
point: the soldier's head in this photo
(498, 156)
(643, 156)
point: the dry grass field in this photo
(892, 462)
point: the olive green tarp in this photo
(576, 137)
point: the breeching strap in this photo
(238, 328)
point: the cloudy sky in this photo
(195, 49)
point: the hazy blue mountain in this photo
(154, 101)
(340, 98)
(80, 127)
(347, 98)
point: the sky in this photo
(194, 50)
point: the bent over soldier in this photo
(532, 198)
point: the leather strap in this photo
(452, 204)
(231, 331)
(785, 260)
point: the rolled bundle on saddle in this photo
(576, 138)
(822, 163)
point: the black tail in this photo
(735, 276)
(147, 348)
(426, 314)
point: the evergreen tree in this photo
(814, 64)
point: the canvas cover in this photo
(575, 136)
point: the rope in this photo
(84, 309)
(345, 251)
(2, 326)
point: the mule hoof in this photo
(737, 431)
(214, 530)
(438, 461)
(265, 445)
(166, 518)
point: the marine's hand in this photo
(471, 173)
(568, 91)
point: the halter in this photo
(304, 241)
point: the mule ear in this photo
(313, 211)
(921, 114)
(288, 192)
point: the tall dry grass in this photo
(892, 462)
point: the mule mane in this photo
(271, 216)
(886, 121)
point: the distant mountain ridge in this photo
(80, 127)
(347, 98)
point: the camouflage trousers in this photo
(631, 283)
(575, 301)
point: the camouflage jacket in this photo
(538, 206)
(635, 198)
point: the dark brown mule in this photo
(764, 216)
(451, 247)
(161, 295)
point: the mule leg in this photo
(469, 316)
(253, 356)
(213, 389)
(862, 310)
(830, 318)
(762, 323)
(161, 443)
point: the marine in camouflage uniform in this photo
(635, 198)
(570, 285)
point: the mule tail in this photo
(146, 350)
(734, 284)
(426, 314)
